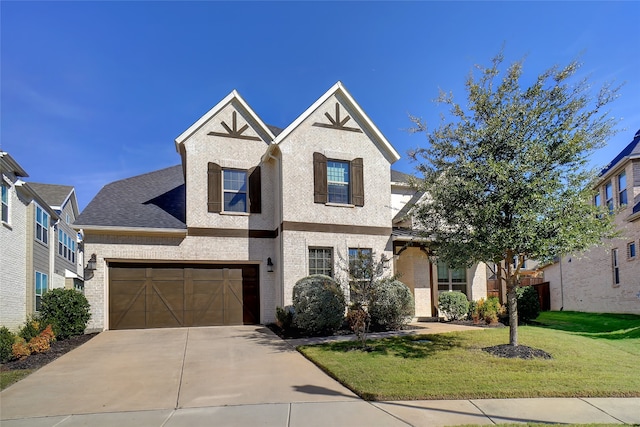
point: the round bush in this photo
(392, 305)
(528, 304)
(318, 304)
(66, 310)
(454, 305)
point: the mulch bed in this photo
(58, 348)
(518, 351)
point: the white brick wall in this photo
(13, 273)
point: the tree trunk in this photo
(512, 303)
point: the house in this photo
(606, 278)
(223, 237)
(39, 249)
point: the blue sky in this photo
(93, 92)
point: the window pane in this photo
(458, 275)
(338, 193)
(622, 181)
(443, 273)
(337, 171)
(235, 180)
(235, 202)
(596, 200)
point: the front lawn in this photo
(587, 361)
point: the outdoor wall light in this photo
(91, 267)
(269, 265)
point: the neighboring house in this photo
(33, 215)
(606, 278)
(222, 238)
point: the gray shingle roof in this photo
(153, 200)
(54, 195)
(397, 176)
(631, 150)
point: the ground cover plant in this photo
(454, 365)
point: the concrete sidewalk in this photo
(361, 413)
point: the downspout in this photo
(561, 288)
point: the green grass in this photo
(593, 355)
(9, 377)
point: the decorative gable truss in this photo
(234, 132)
(336, 122)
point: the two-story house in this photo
(606, 278)
(38, 247)
(222, 238)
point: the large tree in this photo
(507, 173)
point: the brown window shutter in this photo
(255, 190)
(319, 178)
(214, 183)
(357, 182)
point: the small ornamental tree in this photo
(507, 175)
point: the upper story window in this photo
(42, 225)
(622, 189)
(608, 194)
(338, 181)
(451, 279)
(597, 199)
(5, 202)
(66, 246)
(235, 190)
(321, 261)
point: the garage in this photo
(174, 295)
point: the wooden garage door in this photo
(167, 296)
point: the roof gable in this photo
(56, 196)
(334, 120)
(232, 129)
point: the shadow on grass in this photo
(592, 325)
(407, 347)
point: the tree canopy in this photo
(507, 173)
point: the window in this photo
(321, 261)
(41, 287)
(338, 182)
(451, 279)
(235, 190)
(616, 267)
(622, 189)
(5, 203)
(42, 225)
(608, 194)
(66, 246)
(596, 199)
(631, 250)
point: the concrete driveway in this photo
(143, 370)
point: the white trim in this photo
(234, 95)
(339, 88)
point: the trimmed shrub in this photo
(528, 304)
(284, 317)
(67, 310)
(453, 305)
(392, 305)
(490, 309)
(7, 338)
(319, 305)
(20, 349)
(31, 329)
